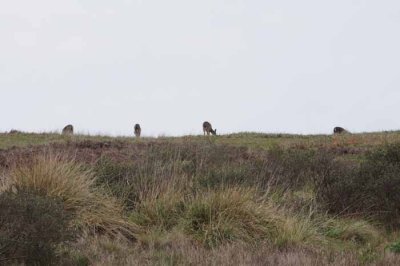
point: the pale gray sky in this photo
(244, 65)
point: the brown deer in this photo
(68, 130)
(207, 128)
(138, 130)
(14, 131)
(339, 130)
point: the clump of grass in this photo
(350, 230)
(297, 230)
(229, 215)
(394, 247)
(223, 216)
(53, 176)
(160, 212)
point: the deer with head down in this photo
(68, 130)
(207, 128)
(339, 130)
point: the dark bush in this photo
(372, 189)
(380, 178)
(31, 228)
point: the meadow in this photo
(238, 199)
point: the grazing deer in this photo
(14, 131)
(138, 130)
(68, 130)
(207, 128)
(339, 130)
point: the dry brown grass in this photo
(54, 176)
(178, 250)
(354, 142)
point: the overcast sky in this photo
(244, 65)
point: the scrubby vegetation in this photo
(237, 199)
(370, 189)
(31, 227)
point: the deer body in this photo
(207, 128)
(138, 130)
(339, 130)
(68, 130)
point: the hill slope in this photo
(244, 198)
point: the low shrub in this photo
(379, 180)
(394, 247)
(371, 189)
(31, 227)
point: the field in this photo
(238, 199)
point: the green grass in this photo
(247, 139)
(32, 139)
(268, 141)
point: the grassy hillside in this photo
(246, 198)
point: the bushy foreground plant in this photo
(32, 227)
(371, 190)
(394, 247)
(93, 210)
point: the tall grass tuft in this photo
(355, 231)
(230, 215)
(218, 217)
(160, 212)
(54, 176)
